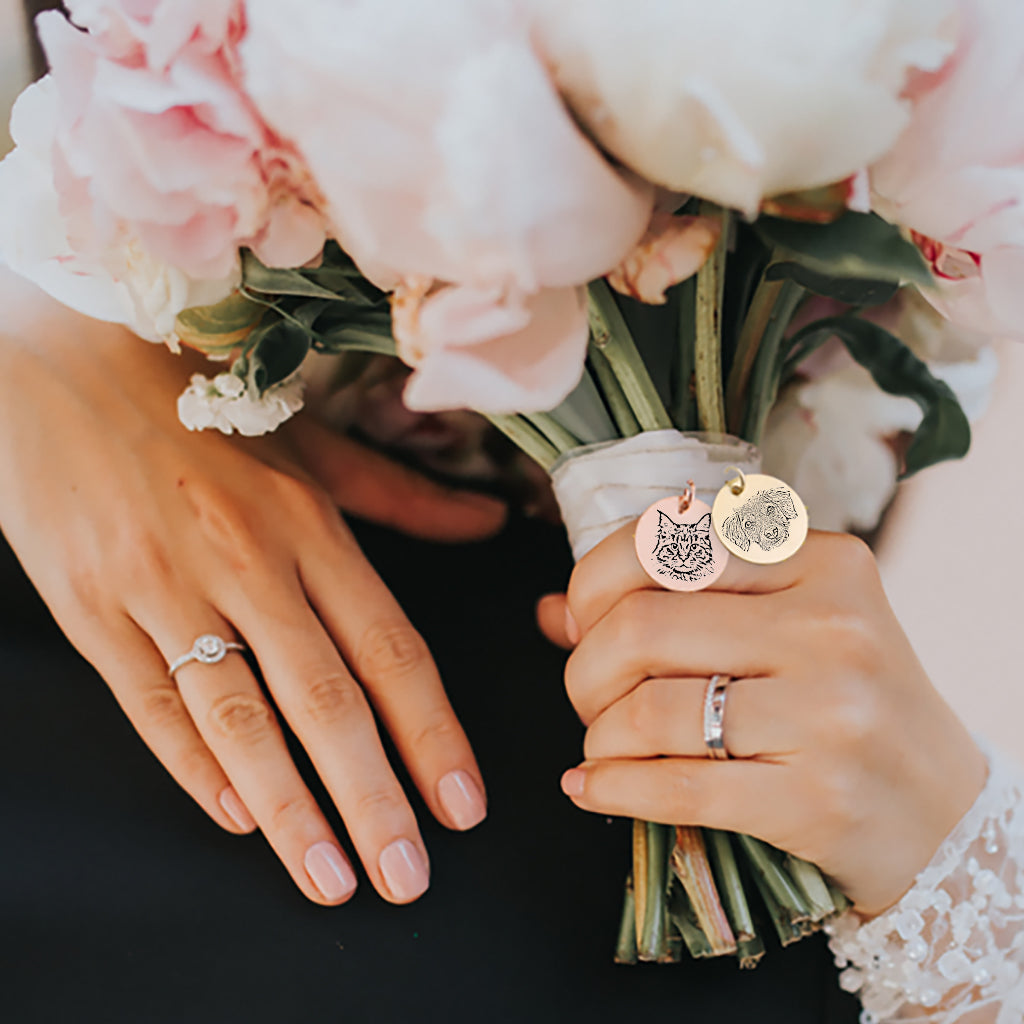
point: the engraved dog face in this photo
(763, 519)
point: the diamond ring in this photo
(208, 649)
(714, 717)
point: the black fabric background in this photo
(121, 902)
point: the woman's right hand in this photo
(141, 537)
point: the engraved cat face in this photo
(762, 519)
(683, 550)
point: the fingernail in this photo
(461, 799)
(233, 807)
(329, 871)
(404, 870)
(572, 782)
(572, 631)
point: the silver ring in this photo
(714, 717)
(208, 649)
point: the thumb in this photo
(369, 485)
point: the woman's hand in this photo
(141, 537)
(844, 753)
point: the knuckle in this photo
(630, 622)
(288, 813)
(162, 707)
(243, 718)
(88, 587)
(850, 558)
(305, 500)
(378, 804)
(854, 716)
(392, 649)
(439, 732)
(332, 696)
(644, 710)
(226, 524)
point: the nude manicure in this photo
(461, 799)
(404, 870)
(329, 871)
(233, 807)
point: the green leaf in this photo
(857, 245)
(219, 327)
(258, 278)
(341, 283)
(854, 291)
(944, 432)
(279, 348)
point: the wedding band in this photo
(714, 717)
(208, 649)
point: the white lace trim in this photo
(952, 950)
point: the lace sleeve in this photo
(952, 949)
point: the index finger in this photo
(611, 570)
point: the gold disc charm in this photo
(759, 518)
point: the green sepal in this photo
(944, 432)
(220, 327)
(857, 245)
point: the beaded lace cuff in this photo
(952, 950)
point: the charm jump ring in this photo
(714, 717)
(207, 649)
(739, 483)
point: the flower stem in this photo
(651, 846)
(708, 347)
(764, 381)
(767, 871)
(749, 947)
(613, 339)
(562, 439)
(618, 405)
(693, 869)
(625, 948)
(754, 326)
(807, 878)
(685, 920)
(526, 437)
(684, 408)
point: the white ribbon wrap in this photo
(602, 486)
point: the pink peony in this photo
(444, 152)
(155, 132)
(673, 249)
(956, 175)
(485, 349)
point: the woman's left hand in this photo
(843, 753)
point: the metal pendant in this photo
(677, 545)
(759, 518)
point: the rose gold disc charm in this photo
(760, 518)
(677, 545)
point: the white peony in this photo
(739, 99)
(829, 436)
(124, 284)
(224, 404)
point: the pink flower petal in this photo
(475, 349)
(673, 249)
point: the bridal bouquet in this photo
(632, 236)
